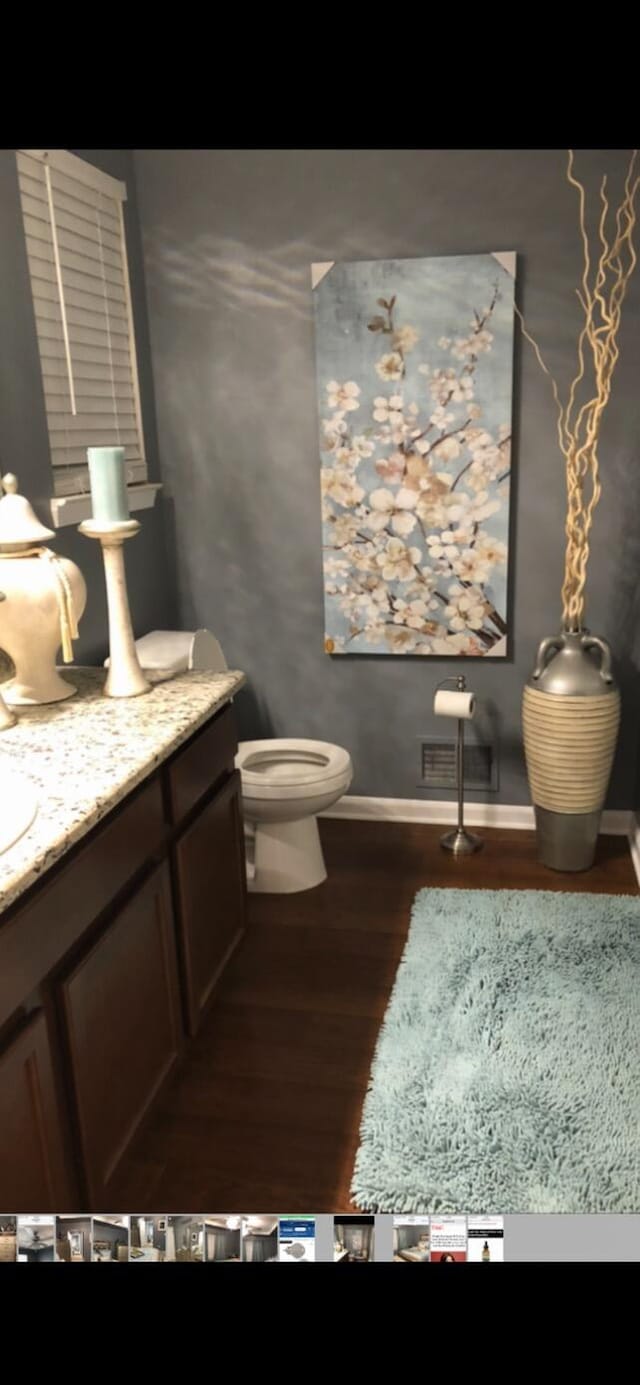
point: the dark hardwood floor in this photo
(264, 1114)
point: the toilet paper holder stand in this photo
(460, 842)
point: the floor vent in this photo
(439, 765)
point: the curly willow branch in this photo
(601, 295)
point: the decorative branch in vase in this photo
(571, 706)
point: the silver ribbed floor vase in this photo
(570, 718)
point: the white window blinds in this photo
(77, 256)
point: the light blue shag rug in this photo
(506, 1076)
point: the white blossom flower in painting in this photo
(464, 347)
(493, 551)
(363, 446)
(481, 507)
(382, 506)
(415, 614)
(347, 457)
(441, 418)
(397, 561)
(466, 608)
(471, 566)
(334, 430)
(441, 546)
(448, 387)
(393, 468)
(446, 449)
(341, 487)
(343, 529)
(390, 366)
(405, 338)
(388, 410)
(457, 644)
(392, 509)
(345, 397)
(403, 523)
(399, 639)
(409, 566)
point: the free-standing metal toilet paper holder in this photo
(460, 842)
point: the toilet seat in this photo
(270, 766)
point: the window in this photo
(74, 227)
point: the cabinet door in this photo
(124, 1034)
(33, 1173)
(212, 894)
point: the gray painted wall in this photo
(24, 446)
(228, 237)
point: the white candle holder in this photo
(125, 677)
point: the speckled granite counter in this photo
(85, 755)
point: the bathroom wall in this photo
(228, 238)
(24, 446)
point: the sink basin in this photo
(18, 807)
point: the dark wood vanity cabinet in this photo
(33, 1162)
(123, 1023)
(106, 969)
(210, 876)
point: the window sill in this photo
(72, 509)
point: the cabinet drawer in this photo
(35, 938)
(124, 1035)
(194, 770)
(32, 1160)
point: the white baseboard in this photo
(615, 822)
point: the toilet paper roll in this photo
(449, 703)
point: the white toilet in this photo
(285, 783)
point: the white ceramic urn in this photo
(44, 598)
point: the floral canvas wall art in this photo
(414, 367)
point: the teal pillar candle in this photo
(109, 504)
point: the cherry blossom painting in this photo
(414, 368)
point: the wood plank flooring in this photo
(264, 1114)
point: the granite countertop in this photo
(84, 755)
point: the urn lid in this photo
(19, 526)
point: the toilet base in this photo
(288, 857)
